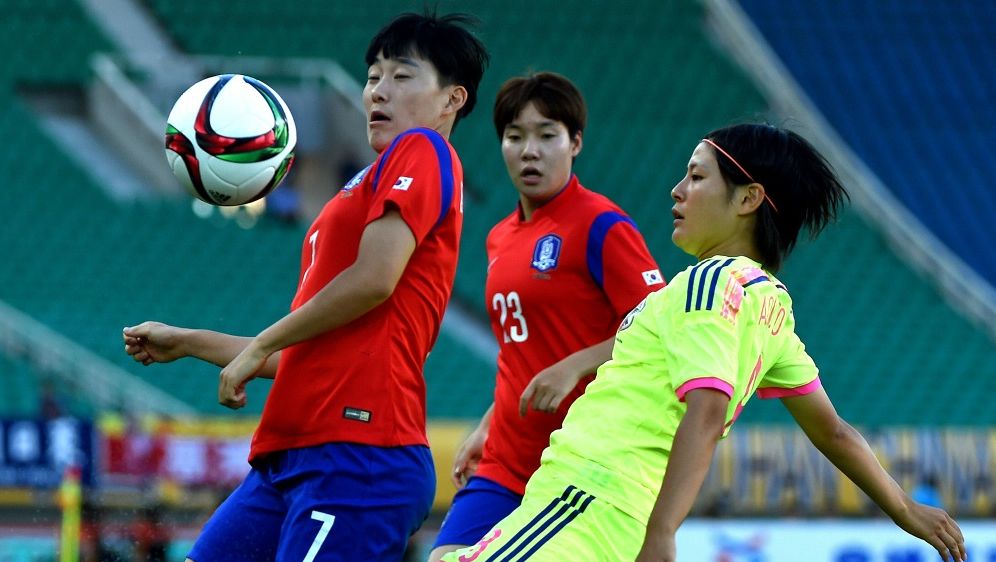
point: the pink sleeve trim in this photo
(704, 382)
(775, 392)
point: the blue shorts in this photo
(333, 502)
(476, 508)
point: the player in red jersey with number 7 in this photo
(340, 463)
(564, 269)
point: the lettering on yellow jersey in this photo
(736, 286)
(772, 314)
(747, 391)
(733, 296)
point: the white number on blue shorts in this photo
(327, 521)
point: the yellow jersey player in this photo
(624, 470)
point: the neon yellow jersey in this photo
(724, 324)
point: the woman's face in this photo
(705, 216)
(400, 94)
(539, 153)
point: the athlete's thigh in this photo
(601, 533)
(552, 527)
(245, 527)
(352, 503)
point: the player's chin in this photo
(379, 137)
(680, 240)
(538, 193)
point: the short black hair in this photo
(445, 41)
(555, 97)
(795, 176)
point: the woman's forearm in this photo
(850, 453)
(219, 349)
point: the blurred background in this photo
(896, 302)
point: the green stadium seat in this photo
(21, 388)
(655, 84)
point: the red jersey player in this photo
(340, 464)
(563, 271)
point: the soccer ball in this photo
(230, 139)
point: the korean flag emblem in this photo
(546, 254)
(403, 183)
(653, 277)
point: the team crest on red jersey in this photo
(347, 190)
(546, 253)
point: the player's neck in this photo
(732, 248)
(526, 209)
(444, 128)
(528, 206)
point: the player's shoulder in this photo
(504, 225)
(720, 280)
(594, 204)
(596, 214)
(418, 149)
(702, 273)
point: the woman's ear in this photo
(576, 143)
(752, 198)
(457, 99)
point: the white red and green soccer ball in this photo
(230, 139)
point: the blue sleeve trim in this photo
(699, 275)
(443, 158)
(702, 282)
(691, 284)
(715, 280)
(596, 241)
(758, 280)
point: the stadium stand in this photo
(892, 351)
(909, 86)
(31, 59)
(637, 164)
(117, 265)
(861, 309)
(30, 391)
(906, 96)
(889, 347)
(87, 266)
(21, 389)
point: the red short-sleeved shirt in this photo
(363, 382)
(559, 283)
